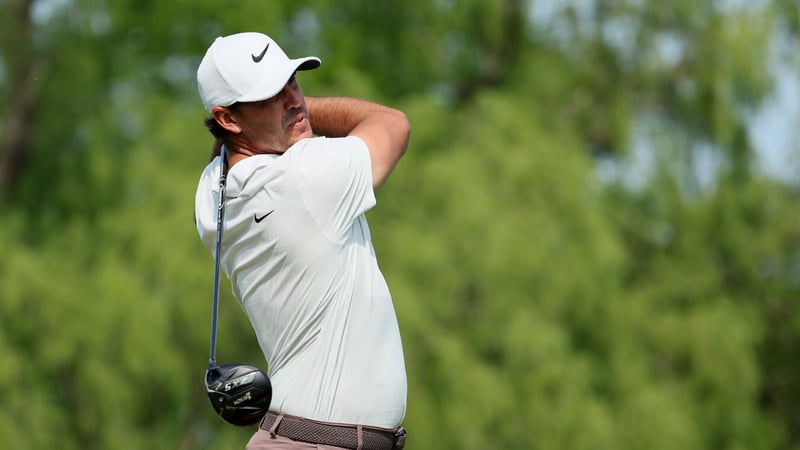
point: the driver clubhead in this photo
(239, 393)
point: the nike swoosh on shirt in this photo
(259, 219)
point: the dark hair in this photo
(215, 128)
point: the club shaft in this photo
(212, 358)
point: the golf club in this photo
(239, 393)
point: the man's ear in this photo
(225, 119)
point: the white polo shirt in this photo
(297, 249)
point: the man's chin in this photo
(302, 128)
(303, 133)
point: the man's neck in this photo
(236, 156)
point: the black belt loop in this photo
(275, 426)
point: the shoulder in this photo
(331, 165)
(322, 143)
(322, 154)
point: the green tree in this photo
(542, 303)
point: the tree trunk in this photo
(22, 89)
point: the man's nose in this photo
(291, 97)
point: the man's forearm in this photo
(384, 130)
(338, 116)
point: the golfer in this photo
(302, 171)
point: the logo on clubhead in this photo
(241, 381)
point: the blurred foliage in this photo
(543, 303)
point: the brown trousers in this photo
(263, 441)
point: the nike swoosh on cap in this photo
(257, 59)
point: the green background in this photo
(583, 249)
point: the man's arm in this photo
(385, 130)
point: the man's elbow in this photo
(403, 130)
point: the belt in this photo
(360, 437)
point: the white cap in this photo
(246, 67)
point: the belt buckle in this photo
(399, 439)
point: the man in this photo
(297, 247)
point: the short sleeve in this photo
(334, 176)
